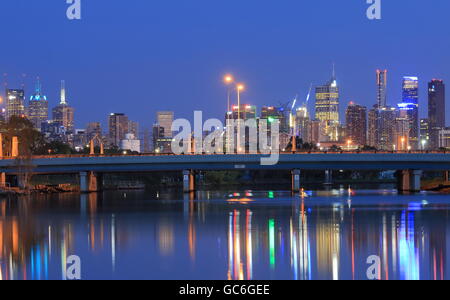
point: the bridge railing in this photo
(306, 152)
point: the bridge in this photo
(90, 168)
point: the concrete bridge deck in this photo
(409, 164)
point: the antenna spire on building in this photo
(63, 93)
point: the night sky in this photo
(140, 56)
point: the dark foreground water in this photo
(248, 235)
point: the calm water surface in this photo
(226, 235)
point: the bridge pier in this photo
(296, 181)
(328, 177)
(188, 181)
(446, 176)
(409, 181)
(90, 182)
(2, 179)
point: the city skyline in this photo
(166, 54)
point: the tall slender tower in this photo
(381, 88)
(63, 113)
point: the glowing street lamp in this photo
(228, 80)
(349, 143)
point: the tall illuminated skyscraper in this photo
(165, 120)
(15, 103)
(327, 107)
(118, 124)
(38, 107)
(381, 88)
(436, 110)
(410, 105)
(63, 114)
(356, 120)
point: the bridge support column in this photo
(328, 177)
(2, 179)
(90, 182)
(296, 181)
(188, 181)
(409, 181)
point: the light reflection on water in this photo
(264, 235)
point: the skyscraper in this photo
(387, 117)
(38, 108)
(118, 128)
(165, 120)
(381, 88)
(356, 120)
(372, 130)
(410, 105)
(63, 114)
(327, 107)
(436, 110)
(15, 106)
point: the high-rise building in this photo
(268, 113)
(436, 110)
(410, 105)
(15, 103)
(302, 123)
(63, 114)
(372, 127)
(381, 88)
(165, 120)
(38, 108)
(118, 128)
(425, 135)
(387, 117)
(327, 107)
(356, 120)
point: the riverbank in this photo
(436, 185)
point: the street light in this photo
(228, 80)
(239, 88)
(424, 143)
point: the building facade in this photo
(356, 121)
(15, 103)
(410, 105)
(436, 110)
(38, 108)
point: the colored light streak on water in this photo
(230, 246)
(272, 242)
(249, 246)
(409, 260)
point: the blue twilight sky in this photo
(140, 56)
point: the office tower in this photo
(356, 120)
(387, 117)
(133, 127)
(63, 114)
(401, 132)
(381, 88)
(372, 127)
(161, 143)
(436, 110)
(165, 120)
(38, 108)
(327, 108)
(94, 129)
(271, 113)
(15, 103)
(425, 135)
(118, 128)
(302, 121)
(410, 105)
